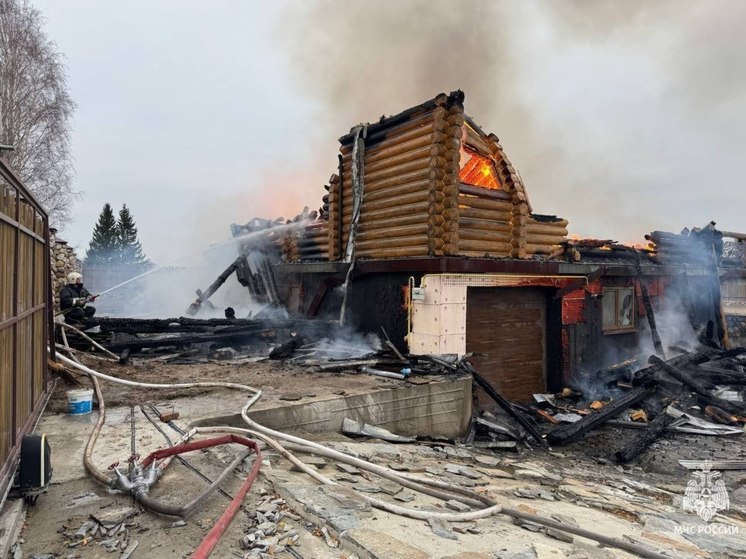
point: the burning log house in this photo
(427, 231)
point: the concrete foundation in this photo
(441, 408)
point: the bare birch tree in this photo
(36, 108)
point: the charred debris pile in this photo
(677, 390)
(695, 392)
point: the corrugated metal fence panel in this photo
(25, 315)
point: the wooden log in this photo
(319, 236)
(539, 249)
(534, 239)
(393, 169)
(394, 191)
(402, 169)
(485, 204)
(491, 247)
(638, 444)
(490, 193)
(697, 387)
(466, 234)
(419, 207)
(392, 232)
(487, 215)
(504, 404)
(374, 225)
(425, 152)
(488, 225)
(403, 199)
(557, 222)
(394, 147)
(734, 235)
(313, 240)
(544, 229)
(475, 140)
(391, 132)
(408, 241)
(568, 433)
(402, 252)
(425, 173)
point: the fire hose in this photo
(213, 536)
(426, 486)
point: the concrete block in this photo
(12, 516)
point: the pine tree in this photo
(129, 247)
(104, 245)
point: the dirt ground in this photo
(275, 378)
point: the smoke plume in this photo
(620, 116)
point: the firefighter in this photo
(74, 299)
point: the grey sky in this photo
(199, 114)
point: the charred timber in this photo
(164, 325)
(697, 387)
(221, 279)
(573, 431)
(604, 253)
(238, 337)
(504, 404)
(652, 371)
(649, 309)
(455, 98)
(642, 441)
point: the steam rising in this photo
(631, 109)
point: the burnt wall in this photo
(377, 300)
(585, 346)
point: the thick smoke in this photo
(631, 109)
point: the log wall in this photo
(410, 187)
(307, 243)
(413, 201)
(544, 236)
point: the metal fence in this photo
(25, 316)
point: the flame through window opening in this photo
(478, 170)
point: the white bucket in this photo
(80, 402)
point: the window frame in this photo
(617, 327)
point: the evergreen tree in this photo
(104, 245)
(129, 247)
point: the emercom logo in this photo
(706, 494)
